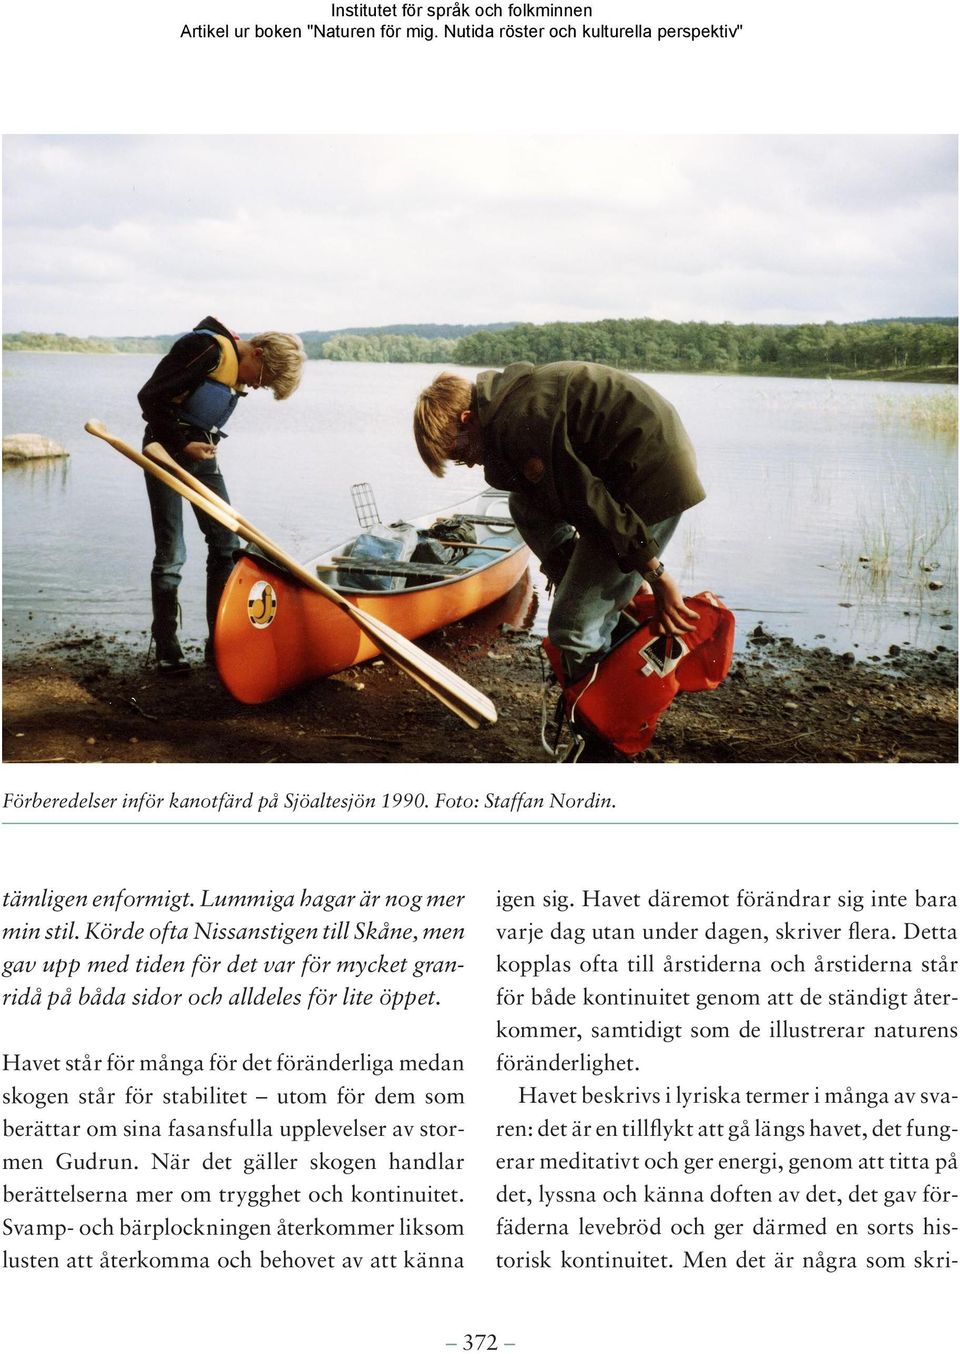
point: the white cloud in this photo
(110, 235)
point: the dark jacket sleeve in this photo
(181, 371)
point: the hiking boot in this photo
(170, 660)
(166, 615)
(590, 747)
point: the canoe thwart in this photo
(473, 545)
(488, 521)
(361, 565)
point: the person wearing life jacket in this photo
(599, 469)
(186, 402)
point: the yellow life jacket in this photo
(228, 368)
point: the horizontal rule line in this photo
(484, 822)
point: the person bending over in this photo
(186, 402)
(599, 469)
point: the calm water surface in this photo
(831, 505)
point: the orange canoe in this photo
(273, 634)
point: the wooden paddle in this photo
(465, 701)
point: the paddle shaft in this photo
(459, 696)
(160, 457)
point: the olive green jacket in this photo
(592, 446)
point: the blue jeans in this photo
(170, 551)
(594, 589)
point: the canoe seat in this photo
(485, 521)
(397, 568)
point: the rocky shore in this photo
(31, 447)
(90, 698)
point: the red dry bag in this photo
(621, 699)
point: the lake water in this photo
(831, 505)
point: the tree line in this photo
(757, 349)
(911, 348)
(388, 348)
(32, 342)
(314, 339)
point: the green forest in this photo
(389, 348)
(873, 349)
(314, 340)
(31, 342)
(896, 349)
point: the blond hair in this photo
(436, 420)
(283, 358)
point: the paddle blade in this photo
(471, 705)
(439, 693)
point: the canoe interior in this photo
(273, 633)
(487, 514)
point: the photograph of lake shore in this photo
(745, 279)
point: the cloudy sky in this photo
(142, 235)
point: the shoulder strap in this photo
(228, 368)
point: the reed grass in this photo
(934, 413)
(903, 534)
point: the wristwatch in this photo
(651, 574)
